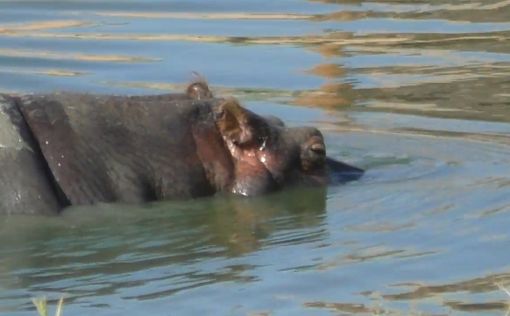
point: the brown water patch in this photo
(345, 307)
(24, 53)
(379, 227)
(461, 94)
(383, 80)
(502, 139)
(406, 106)
(42, 25)
(332, 44)
(477, 285)
(330, 95)
(329, 50)
(466, 12)
(342, 16)
(464, 89)
(45, 72)
(328, 70)
(205, 15)
(484, 42)
(426, 6)
(335, 38)
(365, 254)
(498, 182)
(61, 73)
(477, 307)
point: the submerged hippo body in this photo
(70, 149)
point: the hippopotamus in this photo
(64, 148)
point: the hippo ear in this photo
(235, 123)
(198, 89)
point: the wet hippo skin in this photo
(84, 149)
(24, 183)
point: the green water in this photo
(415, 92)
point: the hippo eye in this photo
(318, 149)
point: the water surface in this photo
(415, 92)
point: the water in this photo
(416, 92)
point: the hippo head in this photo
(268, 155)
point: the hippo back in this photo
(115, 148)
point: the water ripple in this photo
(416, 92)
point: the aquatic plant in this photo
(507, 292)
(42, 306)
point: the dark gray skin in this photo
(81, 149)
(24, 184)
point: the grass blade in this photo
(40, 304)
(502, 288)
(60, 306)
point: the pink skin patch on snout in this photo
(252, 176)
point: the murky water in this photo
(416, 92)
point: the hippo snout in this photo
(267, 155)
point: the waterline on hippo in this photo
(85, 149)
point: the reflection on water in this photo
(161, 249)
(416, 92)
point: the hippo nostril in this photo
(313, 156)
